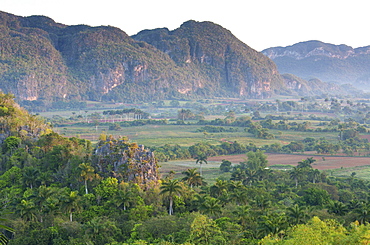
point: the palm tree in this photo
(240, 196)
(238, 174)
(314, 175)
(338, 208)
(296, 174)
(123, 198)
(219, 188)
(201, 158)
(251, 176)
(198, 200)
(211, 206)
(297, 214)
(41, 197)
(262, 202)
(87, 173)
(71, 203)
(3, 239)
(272, 223)
(306, 163)
(362, 213)
(170, 188)
(30, 175)
(27, 210)
(192, 177)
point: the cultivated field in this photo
(321, 163)
(334, 165)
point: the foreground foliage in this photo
(57, 190)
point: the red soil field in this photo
(321, 163)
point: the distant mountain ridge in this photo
(45, 61)
(327, 62)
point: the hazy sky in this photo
(259, 23)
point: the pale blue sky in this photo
(259, 23)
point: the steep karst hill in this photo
(44, 60)
(327, 62)
(226, 62)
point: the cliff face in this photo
(327, 62)
(29, 63)
(44, 60)
(213, 51)
(127, 161)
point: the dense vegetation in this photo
(105, 64)
(54, 190)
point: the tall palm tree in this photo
(123, 198)
(314, 175)
(71, 203)
(296, 174)
(192, 177)
(170, 188)
(201, 158)
(87, 173)
(30, 175)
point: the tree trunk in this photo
(170, 211)
(87, 192)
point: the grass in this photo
(362, 172)
(186, 135)
(281, 167)
(211, 171)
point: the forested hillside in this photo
(42, 62)
(57, 190)
(47, 61)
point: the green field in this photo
(211, 171)
(362, 172)
(186, 135)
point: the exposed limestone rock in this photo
(126, 161)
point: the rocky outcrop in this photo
(126, 161)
